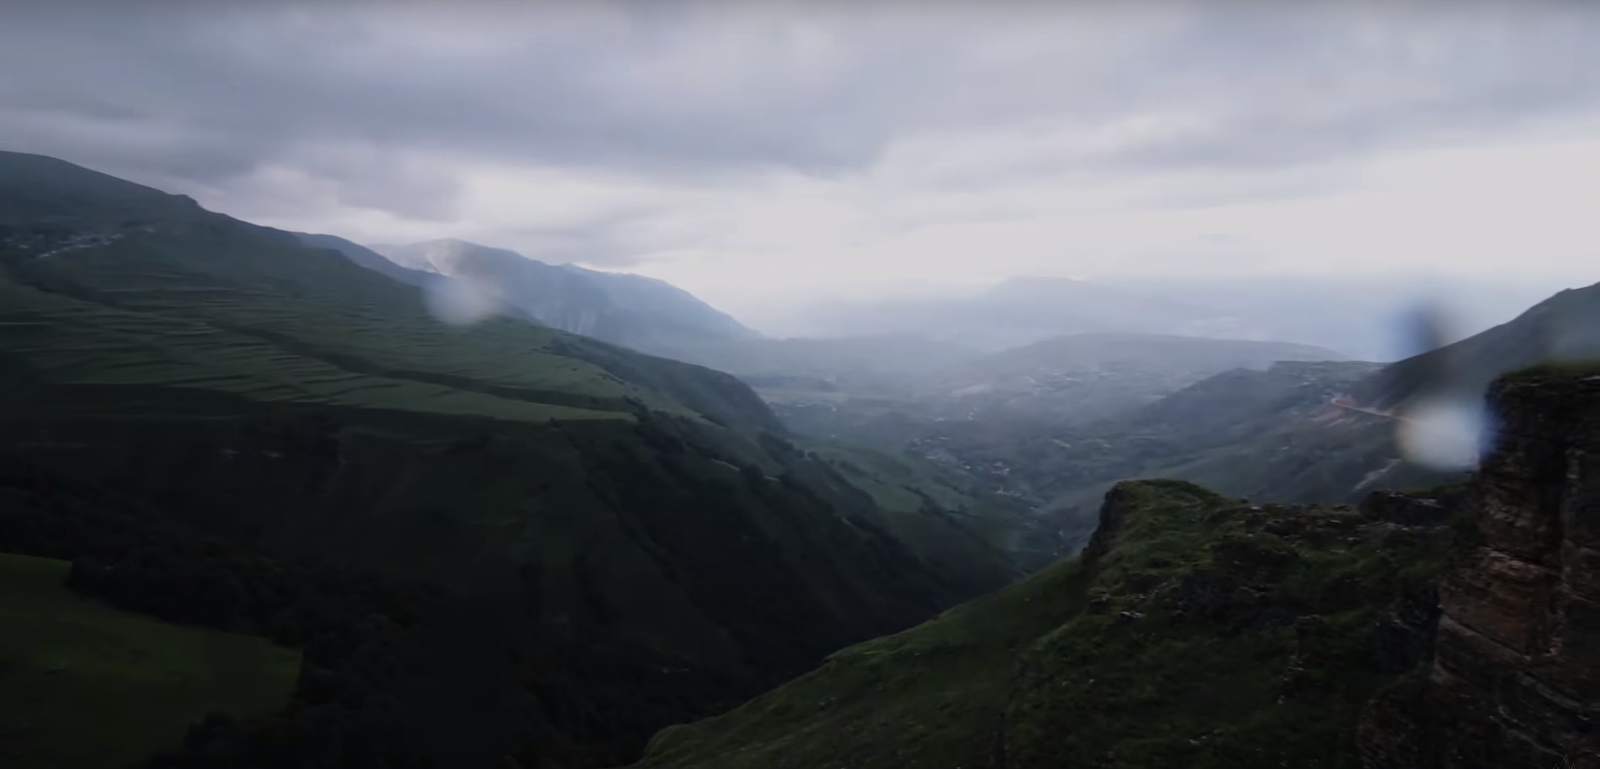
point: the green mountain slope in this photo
(1195, 631)
(1564, 327)
(394, 672)
(68, 663)
(282, 395)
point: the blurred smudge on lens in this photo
(1445, 433)
(461, 301)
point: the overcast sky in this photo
(750, 151)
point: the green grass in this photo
(896, 483)
(1176, 690)
(115, 314)
(86, 685)
(1029, 671)
(928, 697)
(1556, 371)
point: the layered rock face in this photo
(1514, 676)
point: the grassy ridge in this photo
(149, 309)
(927, 697)
(86, 685)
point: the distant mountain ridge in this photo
(1297, 432)
(1565, 326)
(1078, 376)
(631, 310)
(1025, 309)
(1368, 317)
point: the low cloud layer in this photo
(741, 148)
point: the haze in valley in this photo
(490, 384)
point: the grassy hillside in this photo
(222, 306)
(1195, 631)
(84, 685)
(229, 378)
(908, 487)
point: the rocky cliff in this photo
(1514, 676)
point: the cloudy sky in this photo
(759, 151)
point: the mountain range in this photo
(273, 499)
(1022, 310)
(1377, 317)
(1368, 318)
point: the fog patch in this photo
(462, 301)
(1445, 433)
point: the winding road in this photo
(1344, 402)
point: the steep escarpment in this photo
(1514, 675)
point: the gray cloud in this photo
(614, 239)
(210, 94)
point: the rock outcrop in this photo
(1513, 680)
(1404, 509)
